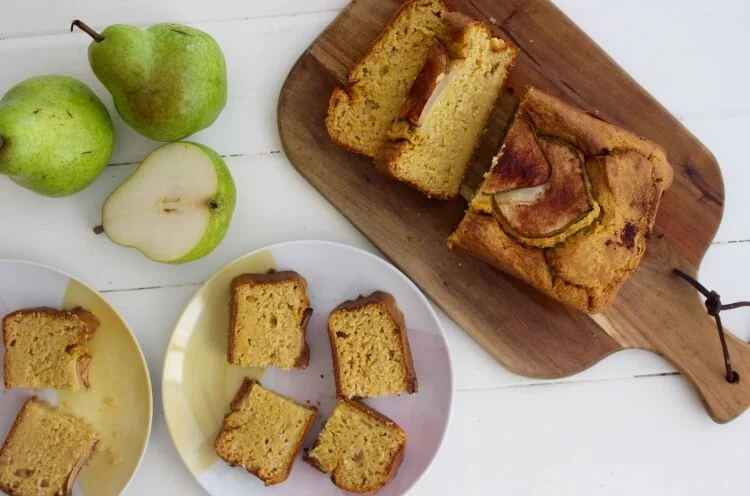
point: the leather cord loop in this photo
(714, 308)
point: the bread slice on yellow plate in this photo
(44, 451)
(44, 348)
(361, 448)
(370, 346)
(263, 432)
(269, 315)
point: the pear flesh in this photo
(176, 207)
(56, 136)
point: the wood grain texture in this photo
(525, 331)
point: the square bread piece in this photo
(440, 126)
(361, 448)
(269, 315)
(360, 114)
(370, 346)
(264, 432)
(43, 348)
(568, 204)
(44, 451)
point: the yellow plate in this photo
(118, 404)
(198, 383)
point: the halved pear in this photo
(176, 207)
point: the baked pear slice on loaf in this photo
(431, 143)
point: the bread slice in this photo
(360, 114)
(361, 448)
(442, 122)
(269, 315)
(264, 432)
(43, 348)
(44, 451)
(370, 347)
(569, 203)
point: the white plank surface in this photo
(604, 431)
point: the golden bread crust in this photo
(586, 266)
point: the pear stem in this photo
(86, 29)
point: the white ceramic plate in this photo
(118, 404)
(198, 383)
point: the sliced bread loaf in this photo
(263, 432)
(359, 115)
(269, 315)
(370, 346)
(431, 143)
(44, 451)
(361, 448)
(43, 348)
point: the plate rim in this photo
(142, 455)
(381, 259)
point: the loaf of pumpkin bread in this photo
(569, 203)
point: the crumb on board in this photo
(493, 20)
(110, 401)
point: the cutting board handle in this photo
(673, 322)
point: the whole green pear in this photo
(56, 136)
(167, 82)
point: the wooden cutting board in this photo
(526, 332)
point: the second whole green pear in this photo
(56, 136)
(167, 82)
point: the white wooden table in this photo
(629, 425)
